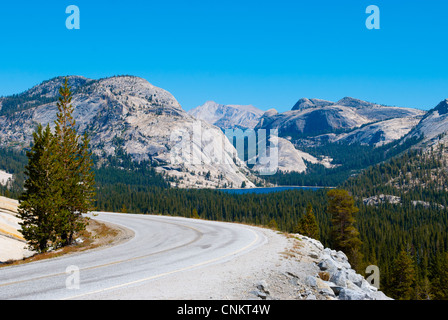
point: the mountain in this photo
(313, 117)
(319, 123)
(291, 159)
(379, 133)
(288, 158)
(305, 103)
(228, 116)
(127, 114)
(433, 126)
(44, 93)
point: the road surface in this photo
(161, 248)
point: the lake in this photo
(269, 189)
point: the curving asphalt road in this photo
(162, 246)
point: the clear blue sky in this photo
(265, 53)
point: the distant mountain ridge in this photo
(312, 117)
(433, 125)
(317, 122)
(228, 116)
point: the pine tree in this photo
(60, 184)
(344, 235)
(307, 225)
(77, 179)
(39, 203)
(272, 224)
(402, 277)
(439, 283)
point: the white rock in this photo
(227, 116)
(348, 294)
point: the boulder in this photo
(324, 288)
(355, 277)
(311, 281)
(366, 286)
(336, 289)
(348, 294)
(339, 278)
(329, 265)
(262, 286)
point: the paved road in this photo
(162, 246)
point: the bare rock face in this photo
(313, 117)
(127, 113)
(228, 116)
(433, 127)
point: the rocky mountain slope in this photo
(433, 126)
(227, 116)
(288, 158)
(317, 122)
(378, 133)
(291, 159)
(128, 114)
(313, 117)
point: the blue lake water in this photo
(268, 189)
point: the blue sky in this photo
(265, 53)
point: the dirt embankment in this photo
(13, 247)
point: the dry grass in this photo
(294, 251)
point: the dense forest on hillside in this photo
(418, 223)
(13, 162)
(349, 160)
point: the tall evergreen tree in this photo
(40, 202)
(402, 277)
(77, 179)
(344, 235)
(60, 183)
(307, 225)
(439, 281)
